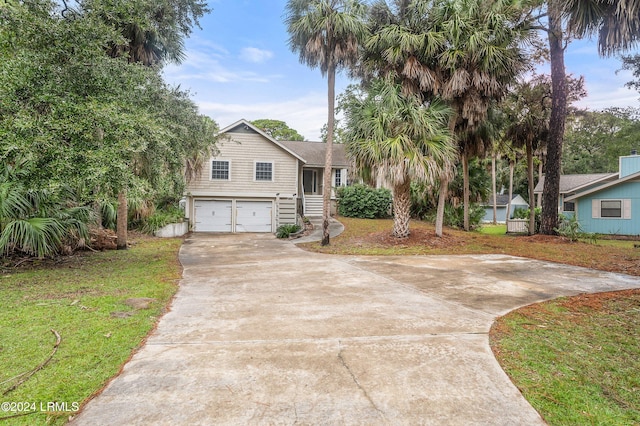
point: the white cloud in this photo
(255, 55)
(307, 114)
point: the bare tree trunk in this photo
(326, 178)
(493, 189)
(465, 190)
(401, 209)
(532, 210)
(121, 224)
(539, 197)
(551, 191)
(442, 198)
(512, 166)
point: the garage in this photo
(213, 216)
(233, 216)
(253, 216)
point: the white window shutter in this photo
(595, 209)
(626, 209)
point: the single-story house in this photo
(606, 203)
(502, 201)
(255, 183)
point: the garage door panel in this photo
(254, 216)
(213, 216)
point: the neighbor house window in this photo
(611, 208)
(220, 170)
(264, 171)
(569, 207)
(338, 177)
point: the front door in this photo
(309, 181)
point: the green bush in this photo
(161, 218)
(364, 202)
(285, 231)
(454, 216)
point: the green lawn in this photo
(493, 229)
(82, 299)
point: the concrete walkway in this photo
(262, 332)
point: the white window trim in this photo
(625, 208)
(211, 169)
(273, 170)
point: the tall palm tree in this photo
(617, 24)
(400, 137)
(463, 51)
(326, 34)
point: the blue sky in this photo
(240, 66)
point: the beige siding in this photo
(243, 150)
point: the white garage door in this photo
(213, 216)
(253, 216)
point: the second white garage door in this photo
(253, 216)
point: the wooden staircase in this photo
(313, 205)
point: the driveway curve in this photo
(262, 332)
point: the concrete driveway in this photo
(262, 332)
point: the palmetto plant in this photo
(402, 139)
(39, 222)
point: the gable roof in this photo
(572, 183)
(502, 199)
(314, 153)
(604, 186)
(244, 125)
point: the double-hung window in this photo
(220, 170)
(338, 178)
(611, 208)
(264, 171)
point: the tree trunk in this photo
(326, 178)
(442, 198)
(121, 224)
(512, 166)
(465, 190)
(532, 210)
(401, 209)
(539, 197)
(551, 191)
(493, 189)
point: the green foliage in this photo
(285, 231)
(161, 218)
(87, 120)
(422, 200)
(595, 140)
(279, 130)
(363, 202)
(454, 216)
(39, 222)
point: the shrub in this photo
(161, 218)
(285, 231)
(364, 202)
(454, 216)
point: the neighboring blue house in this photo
(502, 201)
(605, 203)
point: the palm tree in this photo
(463, 51)
(326, 34)
(400, 137)
(617, 23)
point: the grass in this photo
(493, 229)
(576, 360)
(77, 298)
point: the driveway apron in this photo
(262, 332)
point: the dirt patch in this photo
(596, 301)
(417, 237)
